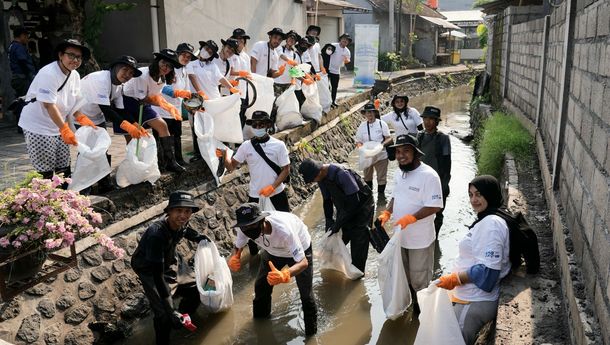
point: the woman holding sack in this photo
(51, 98)
(482, 261)
(139, 94)
(404, 119)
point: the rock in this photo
(30, 329)
(65, 301)
(118, 266)
(86, 290)
(77, 314)
(39, 290)
(72, 275)
(100, 274)
(105, 302)
(46, 307)
(108, 255)
(52, 334)
(9, 310)
(111, 332)
(213, 224)
(210, 198)
(92, 258)
(208, 212)
(135, 306)
(125, 285)
(79, 336)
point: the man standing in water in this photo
(286, 242)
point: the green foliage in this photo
(389, 61)
(485, 99)
(482, 33)
(502, 133)
(94, 21)
(479, 3)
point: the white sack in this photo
(91, 163)
(225, 113)
(324, 93)
(208, 262)
(333, 255)
(311, 109)
(134, 170)
(264, 95)
(392, 279)
(438, 324)
(204, 130)
(288, 115)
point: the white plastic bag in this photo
(265, 204)
(392, 279)
(204, 130)
(333, 255)
(135, 169)
(209, 264)
(264, 95)
(91, 163)
(364, 161)
(288, 115)
(225, 113)
(437, 321)
(324, 93)
(371, 148)
(311, 108)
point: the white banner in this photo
(366, 49)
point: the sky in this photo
(455, 5)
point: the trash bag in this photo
(288, 115)
(225, 113)
(392, 279)
(265, 95)
(143, 167)
(324, 93)
(378, 236)
(214, 281)
(367, 154)
(311, 108)
(437, 321)
(91, 163)
(265, 204)
(204, 130)
(333, 255)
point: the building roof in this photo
(463, 16)
(345, 5)
(407, 8)
(441, 22)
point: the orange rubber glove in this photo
(293, 81)
(406, 220)
(282, 69)
(234, 82)
(316, 77)
(359, 145)
(307, 81)
(277, 277)
(322, 69)
(219, 153)
(384, 216)
(234, 90)
(67, 135)
(182, 93)
(267, 191)
(377, 103)
(133, 130)
(234, 263)
(291, 62)
(84, 120)
(203, 95)
(245, 74)
(143, 131)
(449, 281)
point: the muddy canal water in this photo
(350, 312)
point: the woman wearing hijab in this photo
(404, 119)
(482, 261)
(52, 97)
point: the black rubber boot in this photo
(106, 185)
(67, 172)
(370, 184)
(178, 151)
(46, 174)
(167, 145)
(381, 192)
(160, 154)
(196, 152)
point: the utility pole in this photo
(398, 45)
(392, 32)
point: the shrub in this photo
(389, 62)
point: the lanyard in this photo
(369, 131)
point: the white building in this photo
(470, 49)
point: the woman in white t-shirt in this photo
(242, 69)
(290, 56)
(483, 260)
(227, 61)
(404, 119)
(204, 73)
(374, 129)
(54, 95)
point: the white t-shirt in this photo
(289, 54)
(412, 191)
(242, 63)
(34, 117)
(404, 125)
(378, 130)
(222, 66)
(261, 174)
(486, 243)
(208, 76)
(262, 53)
(314, 56)
(289, 237)
(143, 86)
(336, 60)
(182, 83)
(97, 89)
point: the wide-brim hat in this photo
(277, 31)
(210, 44)
(248, 214)
(310, 169)
(128, 61)
(313, 27)
(259, 116)
(407, 139)
(182, 198)
(431, 112)
(294, 35)
(240, 33)
(188, 48)
(346, 35)
(71, 42)
(369, 107)
(231, 43)
(310, 40)
(405, 97)
(328, 46)
(169, 55)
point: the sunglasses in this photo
(73, 56)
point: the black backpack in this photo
(523, 241)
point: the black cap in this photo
(258, 116)
(346, 35)
(369, 107)
(182, 198)
(20, 30)
(432, 112)
(210, 44)
(407, 139)
(310, 169)
(313, 27)
(127, 61)
(231, 43)
(240, 33)
(248, 214)
(405, 97)
(277, 31)
(71, 42)
(186, 47)
(169, 55)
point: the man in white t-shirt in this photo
(416, 198)
(287, 242)
(340, 57)
(290, 56)
(315, 51)
(264, 59)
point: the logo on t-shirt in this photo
(492, 254)
(436, 197)
(415, 189)
(45, 91)
(102, 96)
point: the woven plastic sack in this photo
(334, 255)
(204, 130)
(91, 163)
(264, 95)
(143, 167)
(225, 113)
(392, 279)
(288, 115)
(437, 321)
(324, 93)
(210, 265)
(311, 108)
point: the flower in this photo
(38, 214)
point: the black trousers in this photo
(438, 221)
(357, 232)
(242, 110)
(300, 97)
(280, 202)
(161, 319)
(334, 85)
(261, 305)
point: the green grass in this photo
(502, 133)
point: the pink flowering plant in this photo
(38, 214)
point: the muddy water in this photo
(349, 312)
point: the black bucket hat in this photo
(277, 31)
(259, 116)
(310, 40)
(369, 107)
(313, 27)
(248, 214)
(212, 45)
(240, 33)
(231, 43)
(20, 30)
(71, 42)
(169, 55)
(186, 47)
(328, 46)
(294, 35)
(432, 112)
(182, 198)
(129, 61)
(407, 139)
(310, 169)
(405, 97)
(346, 35)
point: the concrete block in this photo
(603, 20)
(593, 56)
(588, 271)
(597, 97)
(586, 128)
(591, 22)
(577, 239)
(599, 144)
(605, 68)
(576, 192)
(575, 83)
(586, 169)
(599, 247)
(602, 311)
(587, 217)
(600, 191)
(605, 115)
(585, 89)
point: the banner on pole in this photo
(366, 50)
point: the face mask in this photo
(259, 132)
(204, 54)
(329, 52)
